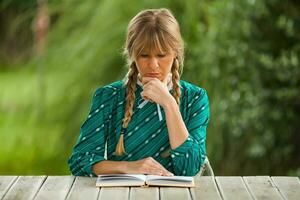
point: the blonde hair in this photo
(151, 29)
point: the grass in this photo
(28, 145)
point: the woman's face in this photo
(155, 64)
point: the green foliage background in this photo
(245, 53)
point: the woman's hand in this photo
(147, 166)
(156, 90)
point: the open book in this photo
(110, 180)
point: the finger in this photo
(150, 169)
(146, 86)
(160, 172)
(146, 79)
(156, 171)
(154, 164)
(145, 96)
(159, 166)
(150, 86)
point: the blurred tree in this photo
(40, 29)
(246, 53)
(15, 18)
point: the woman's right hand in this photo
(147, 166)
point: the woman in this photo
(152, 122)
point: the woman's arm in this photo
(110, 167)
(144, 166)
(90, 145)
(177, 130)
(187, 142)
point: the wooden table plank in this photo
(171, 193)
(113, 193)
(25, 187)
(289, 187)
(55, 187)
(146, 193)
(206, 188)
(5, 183)
(83, 188)
(262, 187)
(232, 187)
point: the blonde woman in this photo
(151, 121)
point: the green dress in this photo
(146, 134)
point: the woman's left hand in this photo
(156, 90)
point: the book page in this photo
(173, 181)
(170, 178)
(111, 180)
(141, 177)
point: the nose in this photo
(153, 62)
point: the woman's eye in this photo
(144, 55)
(161, 55)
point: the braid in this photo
(130, 97)
(130, 94)
(175, 81)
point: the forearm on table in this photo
(110, 167)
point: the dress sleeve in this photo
(190, 155)
(90, 145)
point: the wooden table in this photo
(207, 187)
